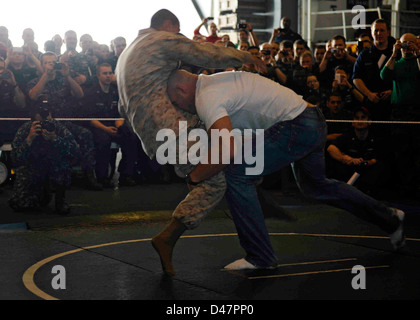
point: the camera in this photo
(48, 125)
(266, 52)
(58, 66)
(281, 30)
(242, 26)
(334, 50)
(210, 18)
(405, 46)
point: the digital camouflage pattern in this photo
(142, 72)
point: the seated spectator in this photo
(101, 101)
(360, 151)
(285, 32)
(12, 103)
(333, 110)
(255, 51)
(42, 153)
(212, 37)
(336, 56)
(273, 71)
(61, 92)
(275, 48)
(405, 76)
(351, 97)
(244, 46)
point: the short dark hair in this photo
(388, 27)
(105, 65)
(338, 37)
(48, 53)
(161, 16)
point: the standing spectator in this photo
(61, 92)
(351, 97)
(101, 101)
(336, 56)
(212, 37)
(363, 42)
(299, 46)
(247, 35)
(405, 75)
(58, 44)
(24, 65)
(273, 71)
(12, 103)
(117, 47)
(4, 38)
(42, 153)
(319, 52)
(284, 32)
(366, 73)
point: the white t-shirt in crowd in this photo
(250, 100)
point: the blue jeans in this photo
(301, 143)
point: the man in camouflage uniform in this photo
(143, 71)
(42, 154)
(61, 93)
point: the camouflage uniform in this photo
(62, 105)
(143, 71)
(36, 163)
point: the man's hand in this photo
(35, 131)
(258, 64)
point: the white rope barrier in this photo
(114, 119)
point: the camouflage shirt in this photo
(143, 71)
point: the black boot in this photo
(91, 182)
(61, 207)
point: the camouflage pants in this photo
(31, 180)
(202, 199)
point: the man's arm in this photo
(205, 171)
(208, 55)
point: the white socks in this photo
(240, 264)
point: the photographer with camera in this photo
(405, 76)
(358, 150)
(246, 35)
(212, 29)
(62, 94)
(273, 71)
(284, 32)
(42, 154)
(336, 55)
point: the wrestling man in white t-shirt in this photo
(294, 133)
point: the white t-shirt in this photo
(251, 101)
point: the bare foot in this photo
(165, 254)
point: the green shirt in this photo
(406, 81)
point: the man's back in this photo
(250, 100)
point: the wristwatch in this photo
(189, 181)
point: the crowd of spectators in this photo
(370, 82)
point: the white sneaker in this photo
(397, 237)
(240, 264)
